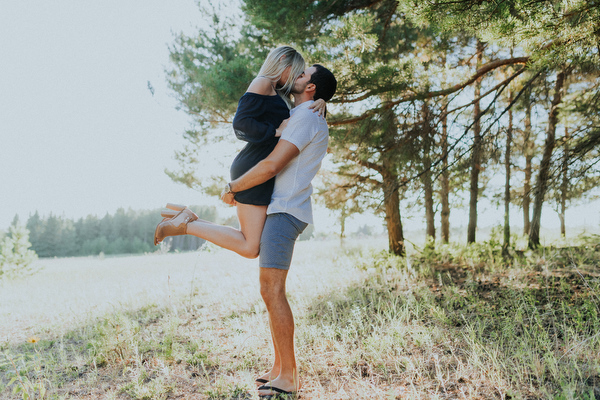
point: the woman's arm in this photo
(245, 125)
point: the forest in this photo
(124, 232)
(439, 103)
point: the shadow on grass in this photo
(452, 323)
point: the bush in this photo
(15, 253)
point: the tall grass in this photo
(450, 322)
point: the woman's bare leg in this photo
(245, 241)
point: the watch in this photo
(228, 188)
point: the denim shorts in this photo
(277, 241)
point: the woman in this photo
(261, 110)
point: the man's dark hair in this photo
(324, 81)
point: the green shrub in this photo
(15, 253)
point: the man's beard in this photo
(297, 90)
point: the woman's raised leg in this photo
(245, 241)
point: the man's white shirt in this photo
(309, 133)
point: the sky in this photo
(81, 133)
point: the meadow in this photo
(453, 322)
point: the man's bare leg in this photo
(272, 289)
(274, 372)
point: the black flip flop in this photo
(261, 380)
(274, 389)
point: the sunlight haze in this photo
(81, 131)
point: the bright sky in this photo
(80, 131)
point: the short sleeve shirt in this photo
(309, 133)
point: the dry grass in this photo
(68, 292)
(71, 301)
(454, 323)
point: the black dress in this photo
(255, 122)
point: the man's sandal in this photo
(276, 391)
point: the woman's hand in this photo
(319, 106)
(279, 130)
(228, 198)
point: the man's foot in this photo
(266, 378)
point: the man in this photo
(295, 161)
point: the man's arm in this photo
(283, 153)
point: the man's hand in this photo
(228, 198)
(279, 130)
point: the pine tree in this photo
(396, 119)
(15, 253)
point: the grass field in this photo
(457, 322)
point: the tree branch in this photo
(428, 95)
(438, 161)
(506, 81)
(371, 165)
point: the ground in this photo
(448, 323)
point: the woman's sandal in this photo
(175, 225)
(173, 210)
(176, 207)
(168, 213)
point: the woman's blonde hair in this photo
(277, 61)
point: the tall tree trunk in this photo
(392, 213)
(541, 185)
(445, 190)
(343, 216)
(475, 155)
(506, 244)
(564, 186)
(528, 147)
(426, 176)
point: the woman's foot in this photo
(174, 226)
